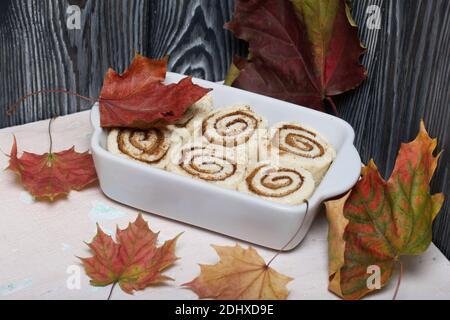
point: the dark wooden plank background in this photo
(408, 63)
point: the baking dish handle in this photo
(347, 172)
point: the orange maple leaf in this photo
(134, 261)
(241, 274)
(51, 175)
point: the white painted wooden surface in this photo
(39, 241)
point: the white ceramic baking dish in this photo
(218, 209)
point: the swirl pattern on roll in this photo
(296, 143)
(150, 146)
(232, 126)
(299, 141)
(207, 162)
(284, 184)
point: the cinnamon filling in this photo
(277, 182)
(148, 146)
(204, 164)
(292, 127)
(272, 184)
(303, 145)
(233, 128)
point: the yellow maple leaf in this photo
(241, 274)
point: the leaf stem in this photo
(110, 292)
(400, 276)
(293, 237)
(333, 106)
(14, 106)
(50, 135)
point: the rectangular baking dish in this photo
(229, 212)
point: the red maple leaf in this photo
(137, 98)
(52, 175)
(134, 261)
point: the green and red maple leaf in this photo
(134, 261)
(379, 221)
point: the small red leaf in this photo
(51, 175)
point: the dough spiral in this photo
(294, 143)
(150, 146)
(237, 127)
(284, 184)
(208, 162)
(194, 115)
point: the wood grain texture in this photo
(192, 33)
(38, 51)
(407, 59)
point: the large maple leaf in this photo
(137, 98)
(241, 274)
(378, 221)
(302, 51)
(53, 174)
(134, 261)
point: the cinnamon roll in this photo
(293, 143)
(192, 119)
(149, 146)
(288, 184)
(237, 127)
(207, 162)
